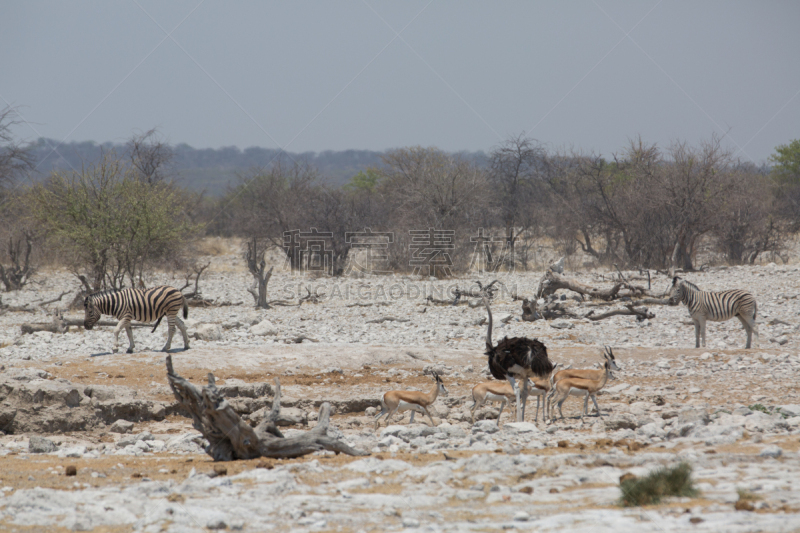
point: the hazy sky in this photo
(375, 75)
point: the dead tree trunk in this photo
(640, 314)
(17, 274)
(553, 281)
(261, 278)
(231, 438)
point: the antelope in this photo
(501, 391)
(584, 374)
(593, 381)
(491, 391)
(406, 400)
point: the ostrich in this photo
(515, 358)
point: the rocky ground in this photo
(94, 440)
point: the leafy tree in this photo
(364, 181)
(786, 166)
(110, 222)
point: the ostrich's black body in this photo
(529, 355)
(517, 358)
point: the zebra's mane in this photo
(690, 284)
(103, 293)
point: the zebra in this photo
(715, 306)
(138, 304)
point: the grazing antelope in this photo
(589, 385)
(541, 389)
(405, 400)
(516, 358)
(491, 391)
(501, 391)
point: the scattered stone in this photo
(41, 445)
(771, 451)
(71, 470)
(521, 516)
(121, 426)
(216, 523)
(208, 332)
(410, 522)
(790, 410)
(264, 328)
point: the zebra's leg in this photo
(750, 327)
(129, 331)
(117, 329)
(696, 333)
(702, 321)
(170, 332)
(182, 328)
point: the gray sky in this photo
(376, 75)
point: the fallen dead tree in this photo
(553, 281)
(559, 309)
(60, 324)
(231, 438)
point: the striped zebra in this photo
(715, 306)
(138, 304)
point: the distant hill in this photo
(214, 170)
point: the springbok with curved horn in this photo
(591, 385)
(415, 401)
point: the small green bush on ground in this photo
(675, 481)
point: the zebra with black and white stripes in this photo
(144, 305)
(715, 306)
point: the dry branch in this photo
(231, 438)
(630, 310)
(387, 319)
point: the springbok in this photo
(405, 400)
(589, 385)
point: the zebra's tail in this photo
(157, 323)
(185, 308)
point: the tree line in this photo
(115, 218)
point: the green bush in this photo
(675, 481)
